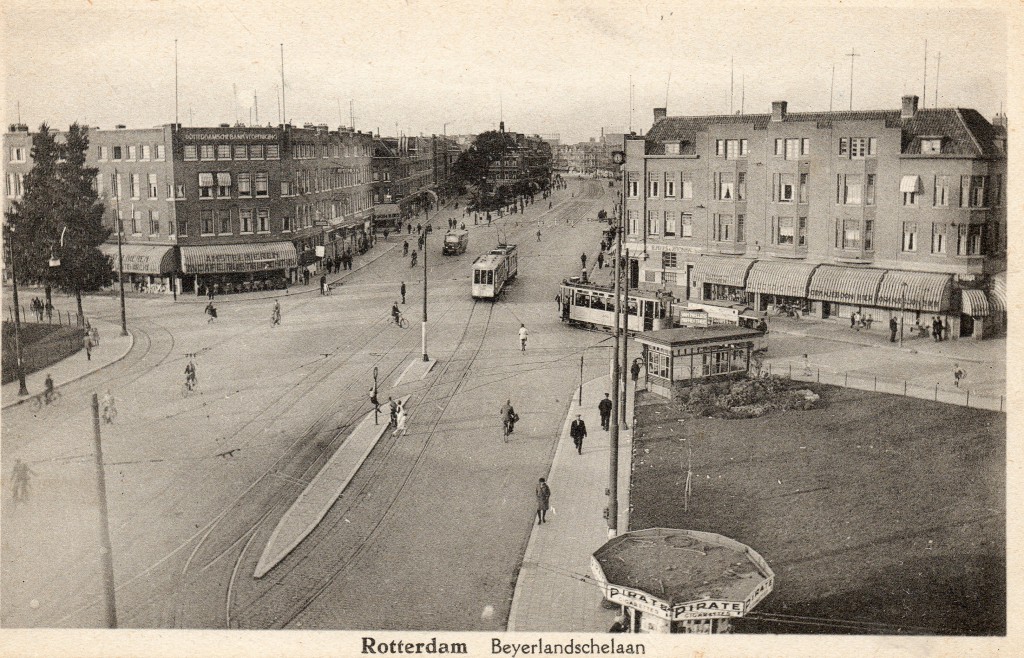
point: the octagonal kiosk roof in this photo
(680, 575)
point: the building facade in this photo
(404, 168)
(527, 158)
(896, 213)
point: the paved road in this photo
(434, 526)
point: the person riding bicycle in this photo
(48, 389)
(395, 313)
(508, 417)
(413, 263)
(190, 375)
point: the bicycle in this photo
(44, 400)
(189, 387)
(509, 426)
(401, 321)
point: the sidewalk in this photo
(112, 348)
(555, 591)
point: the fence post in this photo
(968, 403)
(1000, 403)
(904, 388)
(819, 376)
(876, 383)
(846, 379)
(936, 391)
(791, 371)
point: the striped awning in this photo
(910, 184)
(778, 278)
(248, 257)
(722, 271)
(997, 295)
(141, 258)
(974, 303)
(919, 291)
(845, 285)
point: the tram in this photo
(494, 270)
(593, 306)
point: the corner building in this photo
(887, 213)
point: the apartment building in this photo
(404, 168)
(890, 213)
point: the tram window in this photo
(610, 304)
(476, 276)
(598, 303)
(490, 277)
(632, 307)
(582, 299)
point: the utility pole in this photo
(851, 55)
(22, 388)
(425, 230)
(619, 158)
(107, 557)
(120, 260)
(624, 370)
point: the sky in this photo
(457, 67)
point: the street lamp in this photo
(19, 366)
(423, 331)
(120, 260)
(619, 158)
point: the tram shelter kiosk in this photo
(681, 581)
(691, 355)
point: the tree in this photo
(473, 166)
(59, 199)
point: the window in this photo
(137, 222)
(179, 191)
(685, 189)
(858, 147)
(241, 152)
(206, 222)
(133, 186)
(115, 185)
(98, 185)
(191, 153)
(792, 149)
(116, 153)
(160, 152)
(145, 151)
(849, 188)
(979, 191)
(286, 188)
(686, 225)
(869, 232)
(223, 151)
(969, 239)
(741, 235)
(720, 148)
(938, 238)
(131, 152)
(154, 222)
(634, 218)
(731, 148)
(671, 148)
(803, 188)
(670, 189)
(870, 194)
(263, 220)
(725, 186)
(670, 225)
(18, 153)
(286, 224)
(722, 228)
(741, 186)
(931, 145)
(245, 184)
(13, 185)
(785, 188)
(262, 184)
(851, 234)
(802, 232)
(653, 188)
(652, 222)
(634, 188)
(785, 233)
(207, 152)
(669, 259)
(224, 221)
(224, 184)
(119, 221)
(780, 146)
(909, 236)
(997, 191)
(273, 152)
(805, 146)
(205, 186)
(245, 221)
(255, 151)
(102, 154)
(154, 189)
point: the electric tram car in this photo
(593, 306)
(494, 270)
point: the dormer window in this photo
(671, 148)
(931, 145)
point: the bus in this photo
(455, 242)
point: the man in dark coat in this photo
(605, 407)
(893, 328)
(578, 432)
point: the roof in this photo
(694, 335)
(967, 132)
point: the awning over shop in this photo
(224, 179)
(974, 303)
(920, 291)
(383, 210)
(778, 278)
(845, 285)
(722, 271)
(910, 184)
(142, 258)
(997, 295)
(251, 257)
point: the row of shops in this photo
(233, 268)
(837, 291)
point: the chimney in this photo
(501, 126)
(909, 107)
(660, 113)
(120, 126)
(779, 110)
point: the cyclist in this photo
(190, 375)
(413, 262)
(48, 389)
(508, 418)
(109, 410)
(395, 313)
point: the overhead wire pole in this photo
(423, 331)
(107, 557)
(613, 452)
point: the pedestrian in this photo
(402, 289)
(209, 292)
(634, 371)
(619, 625)
(323, 285)
(463, 226)
(893, 328)
(853, 320)
(600, 260)
(87, 342)
(109, 410)
(305, 279)
(393, 406)
(549, 205)
(538, 235)
(523, 333)
(543, 500)
(558, 301)
(419, 229)
(578, 432)
(20, 480)
(405, 248)
(945, 329)
(408, 228)
(958, 374)
(605, 407)
(275, 314)
(936, 329)
(403, 417)
(583, 260)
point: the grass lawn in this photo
(872, 508)
(41, 345)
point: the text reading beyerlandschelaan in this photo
(589, 647)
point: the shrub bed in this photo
(42, 345)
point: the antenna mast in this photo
(256, 107)
(732, 82)
(832, 88)
(667, 85)
(175, 81)
(851, 55)
(284, 108)
(937, 65)
(924, 94)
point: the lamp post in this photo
(619, 158)
(22, 389)
(423, 331)
(120, 261)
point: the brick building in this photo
(405, 167)
(882, 212)
(526, 158)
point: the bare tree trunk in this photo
(49, 293)
(81, 314)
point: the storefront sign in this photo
(250, 262)
(241, 135)
(707, 610)
(639, 600)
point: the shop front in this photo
(780, 287)
(722, 279)
(838, 291)
(231, 268)
(147, 268)
(919, 298)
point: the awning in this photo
(778, 278)
(722, 271)
(206, 180)
(974, 303)
(223, 179)
(846, 285)
(997, 295)
(910, 184)
(253, 257)
(141, 258)
(919, 291)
